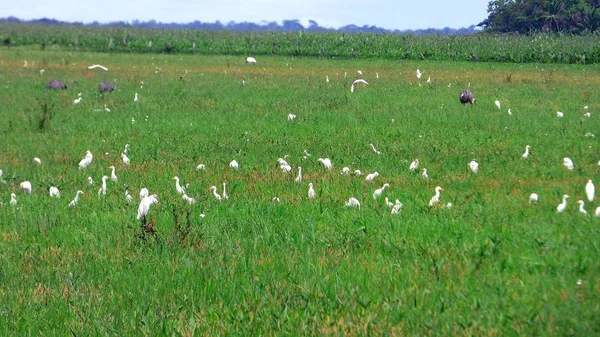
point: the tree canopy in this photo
(526, 16)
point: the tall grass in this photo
(492, 264)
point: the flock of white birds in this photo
(147, 199)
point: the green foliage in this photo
(542, 47)
(491, 265)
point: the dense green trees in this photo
(525, 16)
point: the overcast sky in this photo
(390, 14)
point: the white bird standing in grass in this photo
(352, 202)
(509, 112)
(136, 98)
(379, 191)
(144, 207)
(357, 173)
(357, 82)
(234, 165)
(214, 191)
(559, 114)
(178, 187)
(26, 187)
(436, 198)
(597, 212)
(189, 200)
(13, 199)
(126, 149)
(54, 192)
(388, 203)
(497, 102)
(250, 60)
(311, 191)
(87, 160)
(106, 108)
(533, 197)
(474, 166)
(590, 190)
(98, 66)
(225, 196)
(561, 207)
(374, 149)
(414, 165)
(581, 205)
(372, 176)
(90, 181)
(113, 176)
(326, 162)
(568, 163)
(345, 171)
(77, 100)
(327, 78)
(37, 160)
(526, 153)
(102, 190)
(200, 167)
(143, 193)
(126, 160)
(75, 200)
(419, 73)
(424, 174)
(299, 177)
(397, 207)
(128, 197)
(291, 117)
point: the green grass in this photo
(490, 265)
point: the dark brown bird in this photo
(56, 84)
(104, 86)
(466, 96)
(474, 57)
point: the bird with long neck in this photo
(436, 198)
(178, 187)
(102, 190)
(563, 205)
(214, 191)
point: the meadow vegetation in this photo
(491, 265)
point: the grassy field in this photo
(490, 265)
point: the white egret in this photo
(533, 197)
(581, 205)
(145, 206)
(275, 199)
(189, 200)
(590, 190)
(113, 176)
(357, 173)
(200, 167)
(436, 198)
(178, 187)
(568, 163)
(419, 73)
(311, 191)
(250, 60)
(326, 162)
(1, 173)
(345, 171)
(54, 192)
(77, 101)
(397, 207)
(374, 149)
(356, 82)
(98, 66)
(128, 197)
(214, 190)
(285, 167)
(299, 177)
(429, 79)
(37, 160)
(474, 166)
(372, 176)
(234, 164)
(136, 98)
(291, 117)
(424, 174)
(379, 191)
(90, 181)
(87, 160)
(352, 202)
(509, 112)
(376, 75)
(106, 108)
(26, 187)
(526, 153)
(597, 212)
(388, 203)
(359, 72)
(414, 165)
(126, 149)
(13, 199)
(561, 207)
(75, 200)
(327, 78)
(102, 190)
(497, 102)
(306, 154)
(559, 114)
(225, 196)
(143, 193)
(125, 159)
